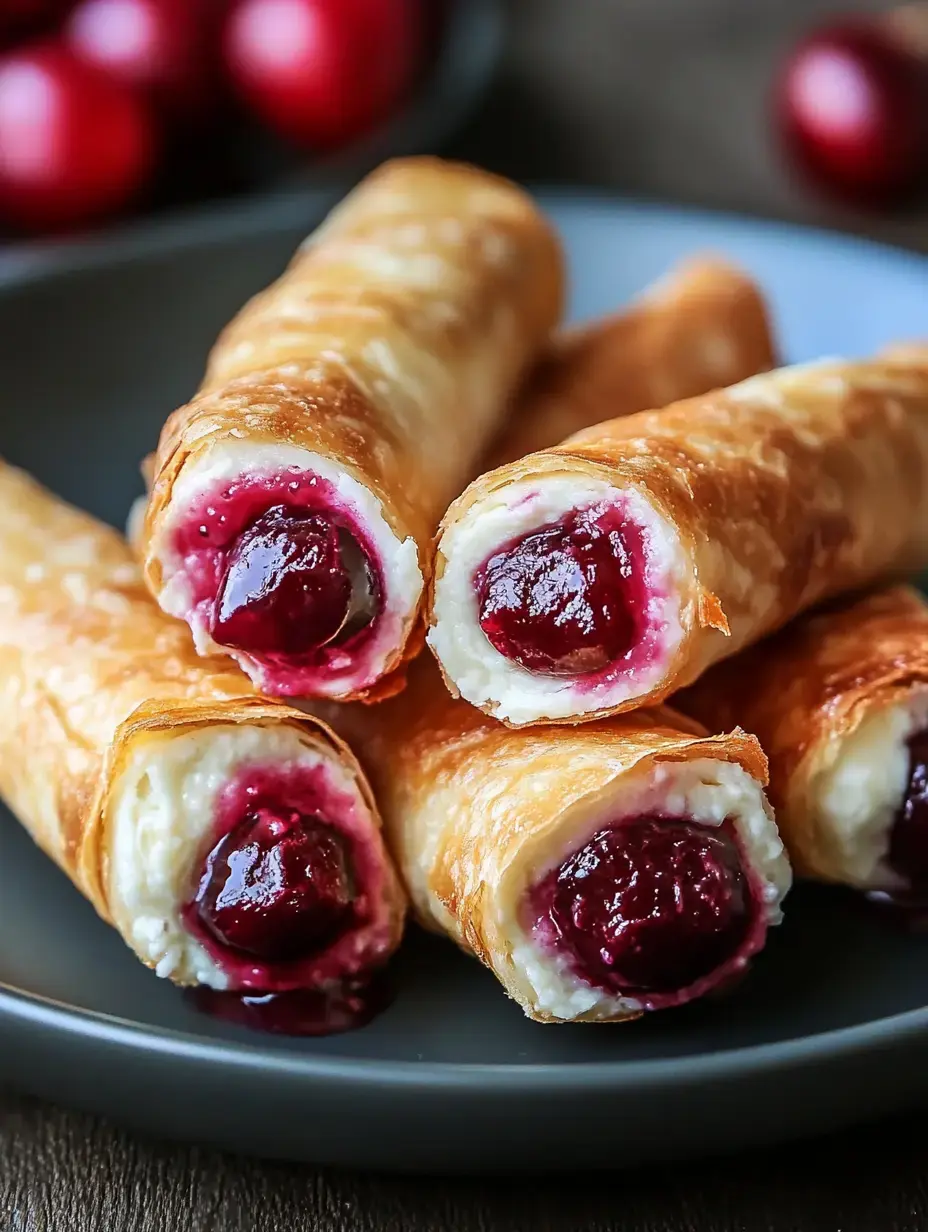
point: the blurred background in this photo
(119, 110)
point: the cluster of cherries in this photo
(94, 94)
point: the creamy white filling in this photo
(160, 819)
(398, 558)
(487, 678)
(706, 791)
(856, 798)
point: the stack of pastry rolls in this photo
(232, 840)
(599, 869)
(605, 573)
(484, 875)
(603, 853)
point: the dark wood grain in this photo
(663, 98)
(63, 1172)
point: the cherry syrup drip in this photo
(344, 1006)
(565, 600)
(277, 886)
(908, 844)
(294, 582)
(652, 906)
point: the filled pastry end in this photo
(288, 564)
(872, 803)
(557, 597)
(244, 857)
(667, 894)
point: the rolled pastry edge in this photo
(164, 803)
(835, 698)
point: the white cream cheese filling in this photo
(160, 819)
(398, 560)
(705, 791)
(487, 678)
(856, 798)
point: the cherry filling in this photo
(652, 906)
(342, 1006)
(293, 583)
(278, 886)
(908, 838)
(565, 600)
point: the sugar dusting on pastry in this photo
(487, 678)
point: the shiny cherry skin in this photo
(278, 886)
(75, 146)
(164, 48)
(321, 72)
(558, 600)
(650, 906)
(292, 583)
(852, 103)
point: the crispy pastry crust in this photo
(807, 690)
(465, 799)
(89, 666)
(792, 487)
(390, 345)
(703, 326)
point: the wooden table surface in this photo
(660, 98)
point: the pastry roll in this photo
(231, 840)
(839, 701)
(703, 325)
(598, 870)
(294, 500)
(606, 573)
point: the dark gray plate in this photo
(96, 345)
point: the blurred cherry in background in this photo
(852, 105)
(167, 49)
(322, 71)
(19, 17)
(75, 145)
(108, 103)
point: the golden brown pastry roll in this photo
(294, 500)
(608, 572)
(839, 701)
(703, 325)
(598, 870)
(231, 840)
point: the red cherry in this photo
(74, 145)
(322, 71)
(164, 47)
(853, 104)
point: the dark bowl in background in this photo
(238, 159)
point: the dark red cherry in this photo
(908, 839)
(292, 583)
(853, 108)
(558, 600)
(278, 886)
(650, 906)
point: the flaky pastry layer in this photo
(701, 326)
(832, 698)
(97, 686)
(390, 346)
(476, 812)
(784, 490)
